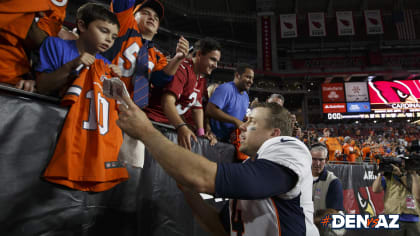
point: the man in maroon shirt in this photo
(182, 98)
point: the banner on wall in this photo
(334, 108)
(358, 107)
(316, 21)
(373, 22)
(345, 23)
(288, 26)
(356, 92)
(357, 181)
(333, 92)
(266, 42)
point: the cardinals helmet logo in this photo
(288, 25)
(345, 22)
(393, 92)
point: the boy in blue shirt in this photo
(98, 28)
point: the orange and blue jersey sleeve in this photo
(122, 5)
(158, 77)
(51, 23)
(123, 9)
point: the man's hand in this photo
(184, 137)
(238, 123)
(132, 120)
(116, 71)
(396, 170)
(26, 85)
(210, 136)
(182, 48)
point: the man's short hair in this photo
(276, 95)
(241, 67)
(279, 117)
(207, 45)
(90, 12)
(320, 147)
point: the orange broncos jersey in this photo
(12, 10)
(333, 146)
(16, 17)
(126, 47)
(86, 155)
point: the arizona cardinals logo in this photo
(365, 202)
(345, 22)
(288, 25)
(316, 24)
(373, 21)
(392, 92)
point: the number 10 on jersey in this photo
(102, 114)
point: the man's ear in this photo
(276, 132)
(81, 26)
(237, 76)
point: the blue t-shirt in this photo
(55, 52)
(228, 99)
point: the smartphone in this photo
(114, 88)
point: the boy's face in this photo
(147, 20)
(100, 35)
(208, 62)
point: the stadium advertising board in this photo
(333, 93)
(373, 100)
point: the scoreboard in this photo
(371, 100)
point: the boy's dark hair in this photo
(94, 11)
(207, 45)
(241, 67)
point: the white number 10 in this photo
(102, 112)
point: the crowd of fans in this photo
(362, 143)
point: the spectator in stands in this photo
(333, 145)
(227, 106)
(277, 98)
(60, 58)
(367, 155)
(184, 94)
(327, 191)
(139, 25)
(277, 177)
(22, 30)
(347, 149)
(402, 196)
(356, 150)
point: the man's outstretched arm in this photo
(187, 168)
